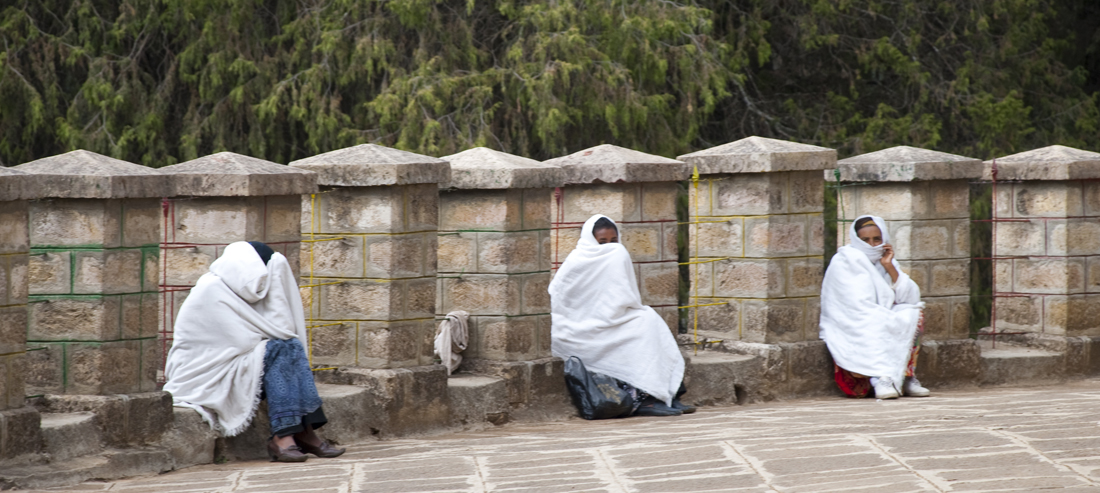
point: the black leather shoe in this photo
(684, 408)
(325, 450)
(654, 407)
(289, 454)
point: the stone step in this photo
(478, 401)
(717, 378)
(106, 465)
(69, 435)
(1018, 365)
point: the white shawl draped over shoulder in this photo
(597, 315)
(216, 362)
(867, 321)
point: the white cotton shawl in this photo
(868, 324)
(597, 315)
(216, 362)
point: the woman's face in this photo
(606, 235)
(870, 234)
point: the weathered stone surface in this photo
(14, 227)
(508, 252)
(369, 165)
(103, 368)
(12, 386)
(659, 283)
(484, 168)
(189, 440)
(905, 163)
(501, 338)
(393, 209)
(393, 392)
(1013, 364)
(400, 344)
(68, 435)
(714, 378)
(760, 155)
(477, 400)
(780, 320)
(777, 236)
(50, 273)
(85, 174)
(135, 419)
(1054, 162)
(482, 294)
(535, 389)
(85, 318)
(613, 164)
(19, 432)
(227, 174)
(18, 185)
(949, 363)
(109, 271)
(1043, 199)
(334, 345)
(620, 202)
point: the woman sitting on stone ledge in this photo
(871, 316)
(237, 337)
(597, 315)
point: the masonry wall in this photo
(494, 262)
(93, 296)
(368, 264)
(929, 224)
(1053, 284)
(646, 215)
(756, 244)
(14, 247)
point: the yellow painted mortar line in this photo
(807, 297)
(27, 253)
(12, 354)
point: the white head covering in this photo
(597, 315)
(874, 254)
(221, 333)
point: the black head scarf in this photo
(261, 248)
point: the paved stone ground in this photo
(1021, 439)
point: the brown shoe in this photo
(289, 454)
(325, 450)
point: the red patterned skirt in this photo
(856, 385)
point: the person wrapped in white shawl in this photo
(871, 315)
(240, 334)
(597, 315)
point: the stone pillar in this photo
(924, 197)
(369, 256)
(757, 239)
(639, 192)
(217, 200)
(494, 252)
(1047, 242)
(94, 248)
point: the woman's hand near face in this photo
(888, 261)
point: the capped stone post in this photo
(219, 199)
(757, 239)
(93, 276)
(924, 197)
(1046, 244)
(494, 252)
(369, 256)
(639, 192)
(18, 422)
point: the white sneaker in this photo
(885, 388)
(912, 388)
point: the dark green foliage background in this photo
(162, 81)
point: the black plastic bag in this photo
(596, 396)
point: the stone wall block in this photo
(186, 265)
(537, 208)
(12, 386)
(950, 199)
(108, 271)
(508, 338)
(103, 368)
(917, 271)
(391, 344)
(780, 320)
(1092, 275)
(334, 345)
(1020, 313)
(536, 298)
(399, 256)
(748, 194)
(1047, 199)
(500, 210)
(893, 201)
(921, 239)
(544, 339)
(620, 202)
(355, 299)
(507, 252)
(670, 249)
(960, 317)
(1072, 315)
(1091, 190)
(1004, 272)
(216, 220)
(659, 283)
(748, 278)
(644, 241)
(482, 294)
(87, 318)
(813, 319)
(547, 243)
(152, 354)
(75, 222)
(13, 329)
(1050, 276)
(722, 319)
(342, 257)
(282, 218)
(1021, 238)
(358, 210)
(21, 431)
(420, 298)
(17, 278)
(659, 200)
(937, 319)
(949, 278)
(776, 236)
(1071, 236)
(457, 252)
(804, 276)
(44, 368)
(717, 239)
(130, 321)
(702, 279)
(50, 272)
(422, 207)
(142, 220)
(13, 227)
(807, 192)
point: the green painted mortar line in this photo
(90, 246)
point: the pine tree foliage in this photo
(161, 81)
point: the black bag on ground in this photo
(597, 396)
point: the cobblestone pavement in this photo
(1020, 439)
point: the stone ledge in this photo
(613, 164)
(1049, 163)
(227, 174)
(372, 165)
(484, 168)
(904, 163)
(760, 155)
(84, 174)
(18, 185)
